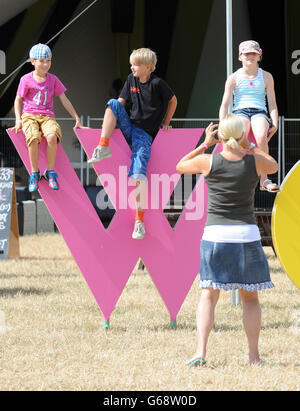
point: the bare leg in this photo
(140, 200)
(109, 123)
(33, 151)
(260, 127)
(252, 322)
(140, 195)
(247, 124)
(51, 150)
(205, 319)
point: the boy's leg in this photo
(140, 196)
(108, 125)
(51, 150)
(102, 150)
(115, 116)
(140, 199)
(33, 151)
(32, 132)
(33, 135)
(141, 150)
(49, 174)
(53, 135)
(34, 177)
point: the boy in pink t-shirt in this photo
(36, 91)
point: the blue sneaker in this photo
(52, 177)
(34, 179)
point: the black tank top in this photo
(231, 187)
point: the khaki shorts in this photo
(36, 125)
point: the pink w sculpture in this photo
(106, 257)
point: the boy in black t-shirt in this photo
(153, 104)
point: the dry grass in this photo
(53, 337)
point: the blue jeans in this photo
(137, 138)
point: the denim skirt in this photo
(230, 266)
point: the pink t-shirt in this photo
(38, 97)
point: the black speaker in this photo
(105, 209)
(122, 16)
(22, 194)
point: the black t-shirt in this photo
(149, 102)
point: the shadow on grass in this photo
(9, 276)
(277, 324)
(44, 258)
(13, 292)
(277, 270)
(187, 327)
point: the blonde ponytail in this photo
(230, 130)
(232, 143)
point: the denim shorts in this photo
(251, 112)
(231, 266)
(137, 138)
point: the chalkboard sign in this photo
(9, 231)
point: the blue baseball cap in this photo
(40, 51)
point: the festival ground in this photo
(51, 333)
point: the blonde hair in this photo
(144, 56)
(230, 130)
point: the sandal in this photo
(267, 185)
(198, 362)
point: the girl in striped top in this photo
(250, 87)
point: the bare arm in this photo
(70, 109)
(18, 111)
(229, 87)
(170, 112)
(269, 82)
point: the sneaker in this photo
(139, 230)
(34, 179)
(100, 152)
(52, 177)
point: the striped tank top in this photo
(249, 93)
